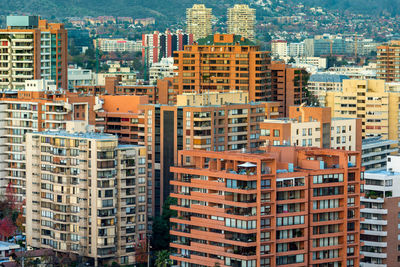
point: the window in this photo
(265, 132)
(276, 133)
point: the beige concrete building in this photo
(198, 21)
(85, 195)
(373, 101)
(241, 21)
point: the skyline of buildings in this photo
(262, 175)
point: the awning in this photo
(247, 165)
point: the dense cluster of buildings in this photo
(269, 165)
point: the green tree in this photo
(161, 226)
(162, 258)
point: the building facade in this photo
(320, 84)
(160, 70)
(288, 86)
(387, 66)
(312, 127)
(198, 21)
(370, 100)
(85, 195)
(117, 45)
(375, 151)
(168, 129)
(241, 21)
(290, 206)
(157, 45)
(31, 48)
(380, 224)
(223, 62)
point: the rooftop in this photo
(328, 78)
(86, 135)
(237, 40)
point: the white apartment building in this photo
(279, 48)
(164, 68)
(381, 218)
(296, 49)
(79, 76)
(118, 45)
(321, 83)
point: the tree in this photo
(291, 60)
(162, 258)
(7, 228)
(161, 226)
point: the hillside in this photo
(373, 7)
(167, 11)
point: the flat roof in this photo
(87, 135)
(8, 246)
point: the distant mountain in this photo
(165, 10)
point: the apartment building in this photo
(372, 102)
(320, 84)
(85, 195)
(288, 86)
(319, 62)
(223, 62)
(375, 151)
(79, 76)
(387, 66)
(380, 226)
(288, 206)
(161, 93)
(241, 21)
(160, 70)
(41, 106)
(296, 49)
(32, 48)
(198, 21)
(279, 48)
(168, 129)
(117, 45)
(313, 127)
(125, 75)
(119, 115)
(158, 45)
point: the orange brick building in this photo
(285, 207)
(223, 62)
(168, 129)
(387, 63)
(287, 86)
(160, 94)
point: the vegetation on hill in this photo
(166, 11)
(372, 7)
